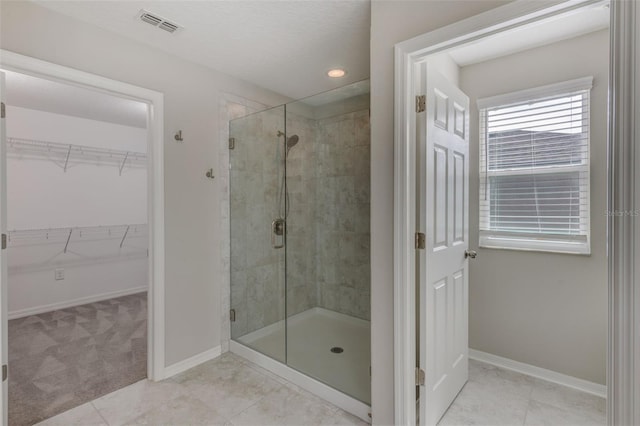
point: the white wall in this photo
(41, 195)
(192, 97)
(392, 22)
(543, 309)
(34, 289)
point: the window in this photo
(534, 169)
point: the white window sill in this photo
(530, 244)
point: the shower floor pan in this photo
(314, 340)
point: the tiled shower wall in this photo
(342, 214)
(328, 237)
(301, 220)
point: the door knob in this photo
(470, 254)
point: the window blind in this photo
(534, 169)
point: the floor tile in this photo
(284, 407)
(564, 397)
(541, 414)
(479, 404)
(184, 410)
(83, 415)
(128, 403)
(231, 391)
(500, 381)
(222, 366)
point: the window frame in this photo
(545, 242)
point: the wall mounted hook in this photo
(178, 136)
(209, 174)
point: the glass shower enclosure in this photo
(299, 213)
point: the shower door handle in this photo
(277, 230)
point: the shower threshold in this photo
(315, 362)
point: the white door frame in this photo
(624, 89)
(623, 361)
(155, 181)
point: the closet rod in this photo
(65, 235)
(64, 154)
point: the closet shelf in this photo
(71, 235)
(68, 155)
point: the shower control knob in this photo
(470, 254)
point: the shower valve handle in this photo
(277, 230)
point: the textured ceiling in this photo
(45, 95)
(285, 46)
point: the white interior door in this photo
(443, 194)
(4, 351)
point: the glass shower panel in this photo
(257, 217)
(328, 239)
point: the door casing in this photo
(155, 187)
(4, 329)
(409, 55)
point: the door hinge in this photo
(232, 315)
(421, 241)
(4, 241)
(419, 377)
(232, 143)
(421, 103)
(5, 372)
(3, 110)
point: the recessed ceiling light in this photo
(336, 73)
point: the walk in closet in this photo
(77, 245)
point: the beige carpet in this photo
(61, 359)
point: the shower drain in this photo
(337, 350)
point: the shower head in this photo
(292, 141)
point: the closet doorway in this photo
(77, 240)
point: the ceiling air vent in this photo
(168, 26)
(158, 21)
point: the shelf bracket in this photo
(66, 161)
(123, 162)
(68, 239)
(124, 236)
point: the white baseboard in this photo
(194, 361)
(21, 313)
(540, 373)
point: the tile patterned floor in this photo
(231, 391)
(66, 358)
(495, 397)
(227, 391)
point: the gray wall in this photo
(343, 209)
(192, 99)
(302, 167)
(393, 22)
(544, 309)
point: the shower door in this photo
(256, 191)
